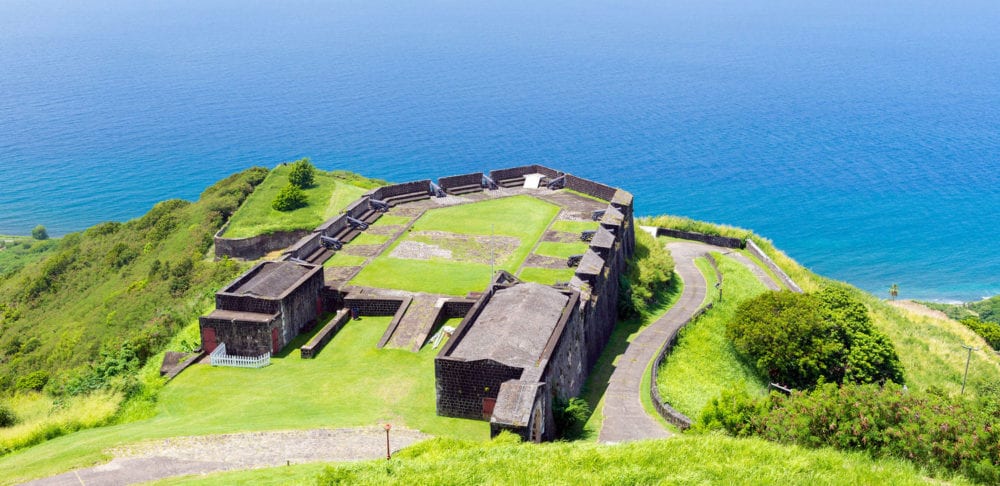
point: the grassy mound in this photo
(330, 192)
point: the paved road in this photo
(624, 417)
(181, 456)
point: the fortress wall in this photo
(256, 246)
(449, 182)
(590, 188)
(399, 189)
(722, 241)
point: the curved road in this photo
(624, 417)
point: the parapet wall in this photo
(590, 188)
(473, 179)
(757, 252)
(256, 246)
(722, 241)
(386, 192)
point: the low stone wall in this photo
(590, 188)
(475, 178)
(319, 341)
(663, 408)
(374, 306)
(256, 246)
(394, 323)
(722, 241)
(757, 252)
(385, 192)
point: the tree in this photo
(303, 173)
(894, 291)
(39, 233)
(289, 198)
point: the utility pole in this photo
(967, 359)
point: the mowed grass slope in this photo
(330, 193)
(681, 460)
(350, 383)
(521, 217)
(703, 362)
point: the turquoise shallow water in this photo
(863, 139)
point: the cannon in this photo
(588, 235)
(357, 223)
(574, 260)
(378, 205)
(436, 190)
(557, 183)
(331, 243)
(488, 183)
(597, 215)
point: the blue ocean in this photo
(862, 137)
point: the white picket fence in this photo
(220, 358)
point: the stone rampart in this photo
(474, 179)
(385, 192)
(590, 188)
(723, 241)
(662, 407)
(256, 246)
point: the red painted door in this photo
(208, 340)
(274, 341)
(488, 404)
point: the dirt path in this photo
(918, 309)
(180, 456)
(624, 417)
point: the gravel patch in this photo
(416, 250)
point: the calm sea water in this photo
(862, 137)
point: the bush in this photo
(39, 233)
(649, 272)
(930, 429)
(570, 416)
(7, 417)
(289, 198)
(303, 174)
(33, 381)
(800, 340)
(989, 331)
(120, 255)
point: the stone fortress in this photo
(520, 346)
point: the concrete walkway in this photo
(182, 456)
(624, 417)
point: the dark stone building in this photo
(264, 309)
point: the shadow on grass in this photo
(600, 374)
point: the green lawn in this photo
(546, 276)
(350, 383)
(574, 226)
(679, 460)
(366, 238)
(521, 217)
(560, 250)
(326, 198)
(703, 362)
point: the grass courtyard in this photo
(448, 250)
(350, 383)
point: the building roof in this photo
(514, 326)
(270, 279)
(514, 402)
(240, 316)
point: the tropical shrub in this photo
(649, 271)
(7, 416)
(989, 331)
(570, 415)
(930, 429)
(800, 340)
(303, 174)
(289, 198)
(39, 233)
